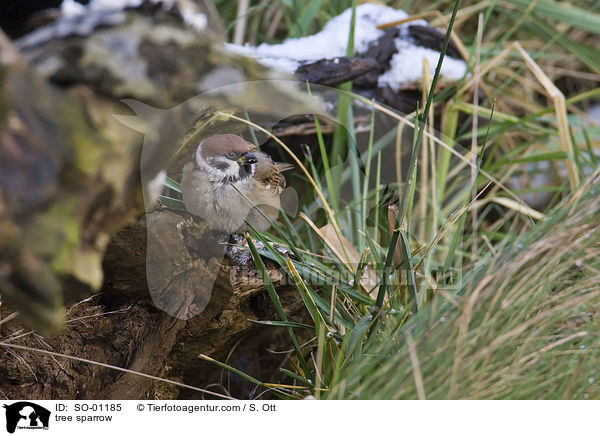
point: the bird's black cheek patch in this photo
(246, 171)
(223, 166)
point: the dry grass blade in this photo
(512, 205)
(414, 361)
(368, 280)
(239, 30)
(560, 109)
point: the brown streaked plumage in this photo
(269, 174)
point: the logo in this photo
(26, 415)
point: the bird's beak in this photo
(248, 159)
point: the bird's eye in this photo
(231, 155)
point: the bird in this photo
(228, 179)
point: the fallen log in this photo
(122, 326)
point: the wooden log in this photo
(122, 326)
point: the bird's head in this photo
(227, 158)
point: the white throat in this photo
(229, 174)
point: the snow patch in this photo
(78, 19)
(71, 8)
(330, 42)
(196, 20)
(405, 67)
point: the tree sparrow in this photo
(223, 163)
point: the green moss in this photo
(86, 144)
(88, 153)
(55, 235)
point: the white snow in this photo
(332, 40)
(196, 20)
(407, 66)
(71, 8)
(190, 15)
(78, 19)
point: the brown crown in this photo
(222, 144)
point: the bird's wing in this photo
(283, 166)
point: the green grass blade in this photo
(261, 268)
(172, 184)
